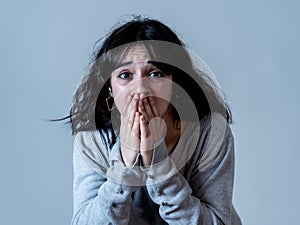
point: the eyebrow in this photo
(151, 62)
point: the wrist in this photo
(146, 157)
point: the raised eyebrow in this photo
(122, 65)
(153, 63)
(158, 65)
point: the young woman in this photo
(152, 138)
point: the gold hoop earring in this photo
(110, 103)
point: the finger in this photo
(136, 125)
(146, 136)
(148, 109)
(153, 107)
(136, 96)
(126, 105)
(144, 128)
(131, 115)
(142, 110)
(146, 149)
(157, 128)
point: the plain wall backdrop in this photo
(251, 46)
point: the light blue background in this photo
(252, 47)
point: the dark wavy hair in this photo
(90, 110)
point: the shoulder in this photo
(215, 128)
(211, 129)
(89, 139)
(92, 149)
(214, 143)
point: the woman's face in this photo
(136, 76)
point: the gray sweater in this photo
(193, 185)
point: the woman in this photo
(152, 138)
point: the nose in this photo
(141, 87)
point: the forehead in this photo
(136, 53)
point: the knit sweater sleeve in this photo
(206, 196)
(98, 199)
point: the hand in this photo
(152, 128)
(130, 130)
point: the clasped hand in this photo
(141, 127)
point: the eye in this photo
(124, 75)
(156, 74)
